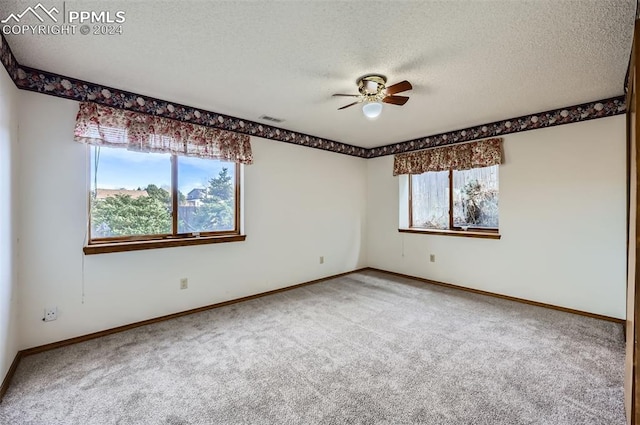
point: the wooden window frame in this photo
(478, 232)
(165, 240)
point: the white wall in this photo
(8, 222)
(300, 204)
(562, 220)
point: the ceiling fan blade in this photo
(346, 106)
(399, 87)
(395, 100)
(346, 95)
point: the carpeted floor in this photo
(367, 348)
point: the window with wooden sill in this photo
(156, 200)
(454, 202)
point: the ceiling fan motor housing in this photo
(371, 85)
(373, 89)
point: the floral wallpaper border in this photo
(571, 114)
(70, 88)
(8, 60)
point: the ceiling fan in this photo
(374, 92)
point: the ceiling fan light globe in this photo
(372, 110)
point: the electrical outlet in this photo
(322, 260)
(432, 258)
(50, 314)
(184, 283)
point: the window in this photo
(137, 196)
(455, 200)
(183, 190)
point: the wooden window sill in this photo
(459, 233)
(106, 247)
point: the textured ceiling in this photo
(470, 62)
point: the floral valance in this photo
(459, 157)
(104, 126)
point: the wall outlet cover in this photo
(50, 314)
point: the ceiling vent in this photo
(272, 119)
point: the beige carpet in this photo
(366, 348)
